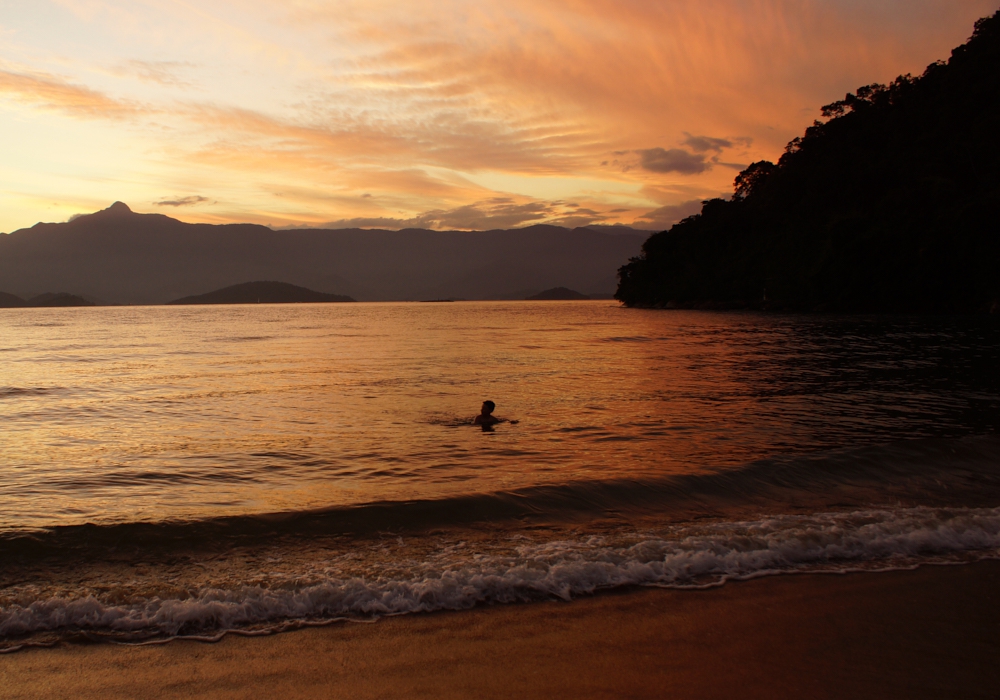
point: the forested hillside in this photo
(891, 203)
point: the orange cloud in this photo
(166, 73)
(52, 92)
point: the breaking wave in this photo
(457, 576)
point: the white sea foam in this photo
(461, 577)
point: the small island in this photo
(558, 294)
(47, 300)
(262, 293)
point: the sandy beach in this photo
(929, 633)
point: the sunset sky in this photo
(446, 114)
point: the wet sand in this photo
(929, 633)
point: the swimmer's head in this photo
(488, 406)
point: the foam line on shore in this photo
(454, 578)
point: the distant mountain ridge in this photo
(262, 293)
(122, 257)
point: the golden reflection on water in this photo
(152, 413)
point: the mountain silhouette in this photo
(58, 299)
(890, 205)
(120, 257)
(262, 293)
(11, 301)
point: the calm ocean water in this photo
(188, 471)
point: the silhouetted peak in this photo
(116, 209)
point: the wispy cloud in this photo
(56, 93)
(188, 201)
(165, 73)
(701, 144)
(491, 214)
(665, 217)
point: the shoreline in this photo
(929, 632)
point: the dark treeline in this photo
(891, 203)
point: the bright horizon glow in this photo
(451, 114)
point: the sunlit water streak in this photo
(178, 432)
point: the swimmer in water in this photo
(486, 417)
(486, 420)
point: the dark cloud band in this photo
(673, 160)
